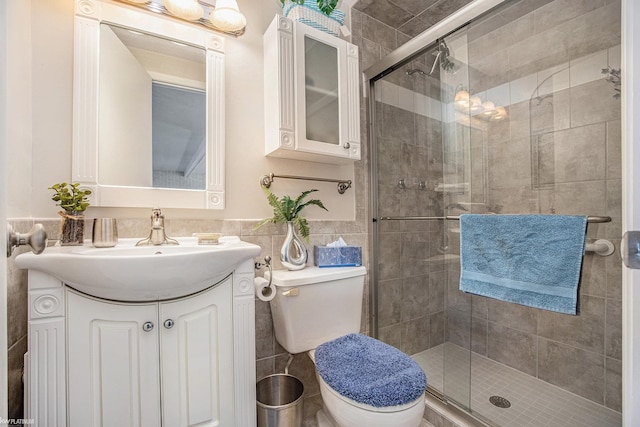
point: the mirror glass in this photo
(151, 111)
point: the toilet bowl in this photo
(318, 311)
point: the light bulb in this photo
(489, 108)
(476, 103)
(185, 9)
(227, 17)
(500, 113)
(462, 99)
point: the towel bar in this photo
(590, 219)
(343, 184)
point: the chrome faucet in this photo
(157, 235)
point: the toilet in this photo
(363, 381)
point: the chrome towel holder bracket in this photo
(343, 184)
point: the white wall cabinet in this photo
(125, 359)
(312, 98)
(184, 362)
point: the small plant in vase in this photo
(326, 6)
(74, 201)
(287, 210)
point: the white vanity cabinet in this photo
(124, 359)
(184, 361)
(312, 99)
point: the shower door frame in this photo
(386, 65)
(630, 209)
(631, 172)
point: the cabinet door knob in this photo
(147, 326)
(168, 323)
(346, 145)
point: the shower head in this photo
(443, 54)
(415, 70)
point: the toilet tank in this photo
(315, 305)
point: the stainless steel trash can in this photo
(279, 400)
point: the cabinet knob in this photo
(346, 145)
(147, 326)
(168, 323)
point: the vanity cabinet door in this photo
(196, 356)
(322, 93)
(112, 363)
(312, 96)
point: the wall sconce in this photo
(500, 114)
(185, 9)
(488, 108)
(225, 17)
(475, 104)
(462, 99)
(472, 104)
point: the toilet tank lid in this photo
(314, 275)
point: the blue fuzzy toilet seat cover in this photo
(369, 371)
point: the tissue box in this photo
(343, 256)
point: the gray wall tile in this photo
(512, 347)
(573, 369)
(585, 331)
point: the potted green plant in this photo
(286, 210)
(74, 201)
(326, 6)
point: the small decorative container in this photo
(71, 229)
(104, 233)
(293, 253)
(341, 256)
(309, 14)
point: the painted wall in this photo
(40, 68)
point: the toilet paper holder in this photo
(267, 263)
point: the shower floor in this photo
(533, 402)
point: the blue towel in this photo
(533, 260)
(369, 371)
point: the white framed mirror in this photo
(148, 119)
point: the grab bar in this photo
(590, 219)
(600, 247)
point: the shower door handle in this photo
(630, 249)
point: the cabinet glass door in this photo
(321, 84)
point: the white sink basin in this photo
(141, 273)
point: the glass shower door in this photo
(457, 197)
(420, 145)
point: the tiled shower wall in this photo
(558, 152)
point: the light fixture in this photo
(227, 17)
(500, 113)
(488, 108)
(185, 9)
(475, 104)
(462, 99)
(224, 18)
